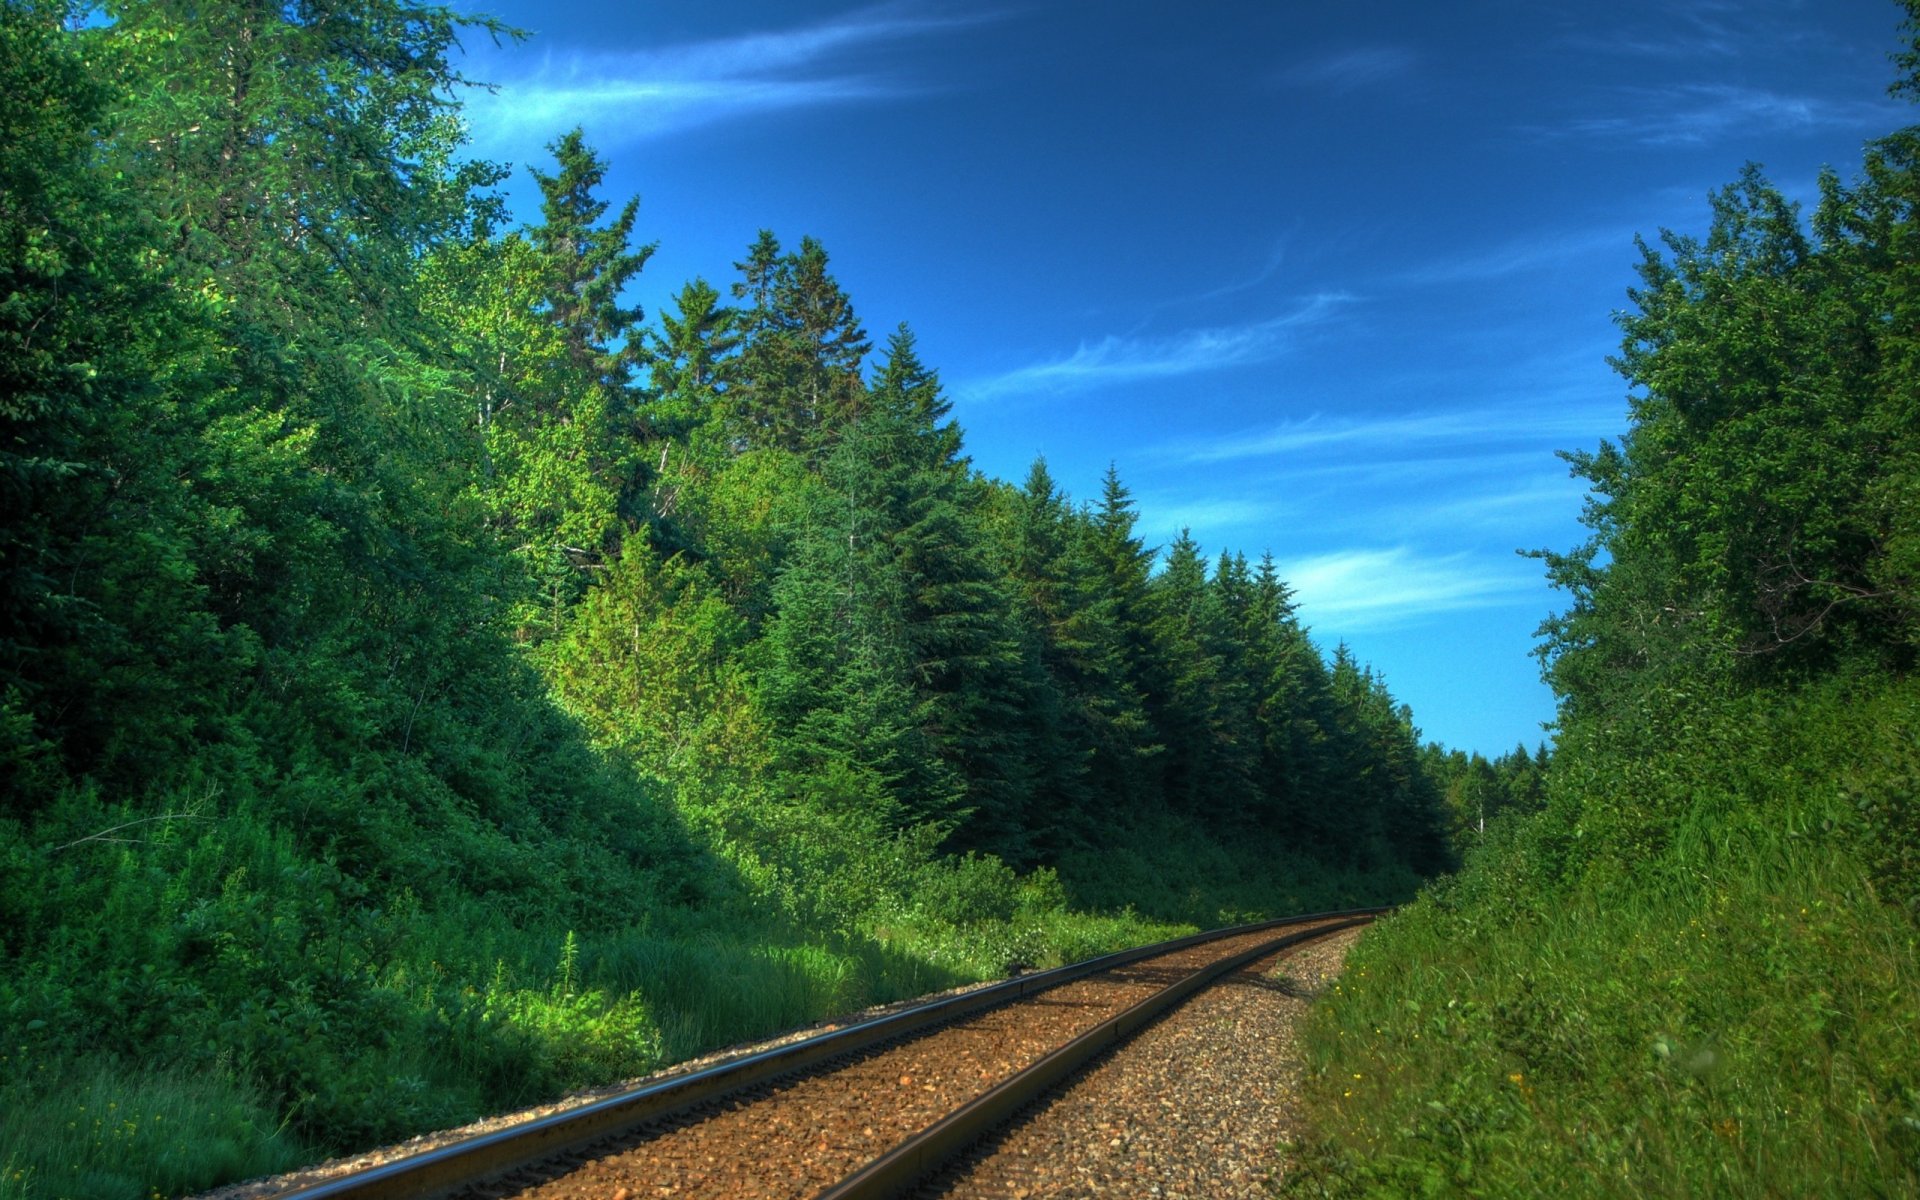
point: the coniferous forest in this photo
(428, 684)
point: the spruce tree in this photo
(1031, 547)
(900, 458)
(1111, 567)
(1201, 770)
(804, 348)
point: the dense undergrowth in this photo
(1732, 1013)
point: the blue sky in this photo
(1329, 280)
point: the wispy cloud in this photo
(1129, 359)
(1538, 252)
(1706, 29)
(1352, 590)
(1350, 70)
(1276, 258)
(1706, 44)
(628, 96)
(1696, 114)
(1509, 504)
(1686, 32)
(1208, 516)
(1481, 428)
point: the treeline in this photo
(1475, 789)
(425, 684)
(845, 617)
(1694, 970)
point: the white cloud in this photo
(1517, 256)
(1478, 428)
(1708, 29)
(1351, 69)
(1276, 258)
(1695, 114)
(623, 97)
(1124, 360)
(1350, 590)
(1510, 505)
(1206, 516)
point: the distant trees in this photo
(1477, 790)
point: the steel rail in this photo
(472, 1160)
(912, 1161)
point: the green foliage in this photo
(799, 373)
(1756, 517)
(1477, 791)
(1161, 865)
(1731, 1014)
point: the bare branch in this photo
(106, 835)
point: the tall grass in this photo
(709, 991)
(553, 1011)
(103, 1129)
(1735, 1015)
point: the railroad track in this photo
(861, 1112)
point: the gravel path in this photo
(1199, 1105)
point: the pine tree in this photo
(900, 459)
(839, 686)
(1293, 711)
(1030, 543)
(692, 360)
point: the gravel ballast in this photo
(1199, 1105)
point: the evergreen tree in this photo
(900, 461)
(800, 371)
(1111, 567)
(592, 422)
(839, 685)
(1293, 709)
(1208, 766)
(693, 361)
(586, 265)
(550, 353)
(1031, 543)
(1392, 809)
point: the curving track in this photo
(865, 1111)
